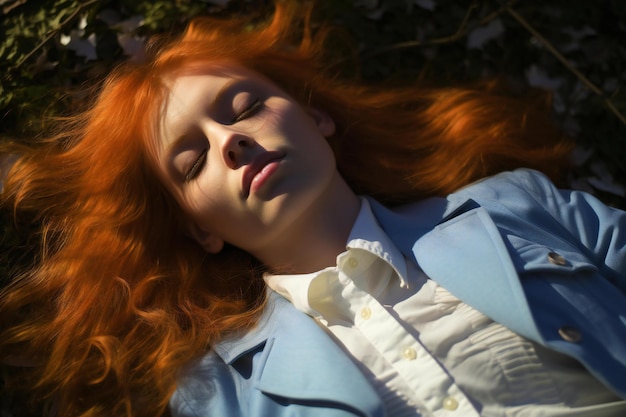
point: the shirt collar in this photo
(366, 235)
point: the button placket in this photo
(406, 354)
(409, 359)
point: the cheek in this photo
(198, 204)
(208, 210)
(319, 149)
(276, 119)
(282, 113)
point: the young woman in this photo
(217, 240)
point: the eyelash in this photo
(249, 111)
(195, 168)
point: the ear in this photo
(210, 242)
(323, 121)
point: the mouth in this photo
(259, 170)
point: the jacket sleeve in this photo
(599, 230)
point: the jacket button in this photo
(569, 334)
(556, 259)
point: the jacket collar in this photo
(294, 347)
(457, 244)
(406, 224)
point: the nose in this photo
(233, 145)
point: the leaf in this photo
(481, 35)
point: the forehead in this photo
(200, 80)
(205, 81)
(212, 72)
(193, 88)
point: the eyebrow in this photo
(218, 97)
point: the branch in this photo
(461, 31)
(607, 101)
(52, 33)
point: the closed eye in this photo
(197, 166)
(249, 111)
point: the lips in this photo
(258, 170)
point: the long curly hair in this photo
(118, 300)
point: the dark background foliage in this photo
(52, 50)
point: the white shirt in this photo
(425, 351)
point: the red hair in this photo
(119, 300)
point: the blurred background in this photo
(52, 50)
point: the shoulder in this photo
(528, 196)
(514, 189)
(286, 365)
(521, 183)
(213, 383)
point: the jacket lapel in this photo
(458, 245)
(301, 362)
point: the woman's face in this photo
(243, 159)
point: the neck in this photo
(321, 237)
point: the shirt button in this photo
(409, 353)
(450, 403)
(556, 259)
(353, 263)
(569, 334)
(366, 313)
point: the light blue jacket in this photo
(544, 262)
